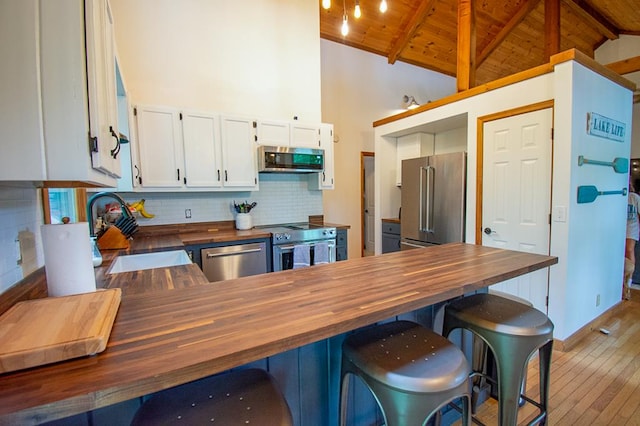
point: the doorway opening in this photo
(367, 203)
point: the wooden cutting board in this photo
(42, 331)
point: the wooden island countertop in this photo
(165, 338)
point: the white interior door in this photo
(517, 195)
(369, 205)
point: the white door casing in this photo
(516, 195)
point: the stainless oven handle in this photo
(291, 246)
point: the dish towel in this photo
(320, 253)
(301, 256)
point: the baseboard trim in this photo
(597, 323)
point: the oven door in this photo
(283, 254)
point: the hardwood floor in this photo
(596, 383)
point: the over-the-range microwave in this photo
(289, 159)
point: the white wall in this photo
(357, 89)
(261, 58)
(590, 244)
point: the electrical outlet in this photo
(597, 300)
(187, 213)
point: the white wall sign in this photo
(598, 125)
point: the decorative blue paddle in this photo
(620, 165)
(589, 193)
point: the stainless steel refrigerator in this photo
(433, 200)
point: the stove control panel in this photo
(281, 236)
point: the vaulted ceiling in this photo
(511, 35)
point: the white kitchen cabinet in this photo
(202, 150)
(160, 147)
(101, 67)
(305, 135)
(412, 146)
(325, 179)
(193, 151)
(273, 133)
(45, 102)
(239, 162)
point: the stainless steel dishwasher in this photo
(228, 262)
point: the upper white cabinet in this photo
(325, 179)
(101, 76)
(159, 147)
(287, 133)
(273, 133)
(49, 60)
(191, 150)
(239, 163)
(202, 150)
(305, 135)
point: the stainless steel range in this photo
(286, 237)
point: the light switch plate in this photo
(559, 214)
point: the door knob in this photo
(489, 231)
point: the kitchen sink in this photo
(160, 259)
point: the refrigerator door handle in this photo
(427, 218)
(422, 202)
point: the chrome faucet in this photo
(92, 200)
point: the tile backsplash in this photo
(282, 198)
(20, 218)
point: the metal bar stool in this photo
(411, 371)
(244, 397)
(513, 331)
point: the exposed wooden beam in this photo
(593, 18)
(409, 30)
(551, 28)
(466, 54)
(520, 14)
(625, 66)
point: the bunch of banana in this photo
(139, 207)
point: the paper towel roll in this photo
(68, 259)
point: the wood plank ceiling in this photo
(510, 35)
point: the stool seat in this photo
(513, 331)
(411, 371)
(244, 397)
(501, 315)
(407, 356)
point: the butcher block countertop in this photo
(167, 337)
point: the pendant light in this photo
(344, 30)
(357, 13)
(345, 26)
(326, 4)
(383, 6)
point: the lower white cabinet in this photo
(191, 150)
